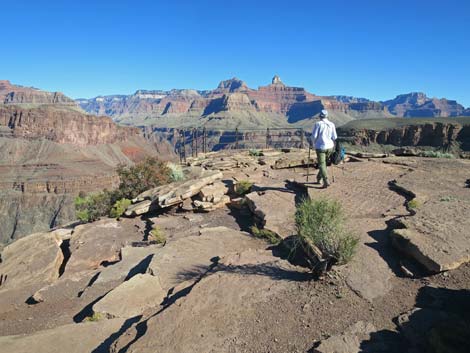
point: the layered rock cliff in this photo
(50, 151)
(14, 94)
(277, 101)
(435, 134)
(62, 125)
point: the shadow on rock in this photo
(105, 346)
(439, 323)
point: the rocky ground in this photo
(213, 287)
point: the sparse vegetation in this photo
(176, 172)
(266, 234)
(119, 207)
(93, 206)
(414, 204)
(95, 317)
(158, 236)
(322, 222)
(143, 176)
(437, 154)
(255, 153)
(135, 179)
(243, 187)
(447, 199)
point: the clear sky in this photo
(374, 49)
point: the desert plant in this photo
(119, 208)
(322, 223)
(437, 154)
(243, 187)
(266, 234)
(158, 236)
(94, 317)
(176, 172)
(255, 153)
(414, 204)
(142, 176)
(93, 206)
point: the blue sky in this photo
(374, 49)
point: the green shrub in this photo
(266, 234)
(94, 317)
(142, 176)
(437, 154)
(255, 153)
(93, 206)
(243, 187)
(176, 172)
(414, 204)
(119, 208)
(322, 222)
(134, 180)
(158, 236)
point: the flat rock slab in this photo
(368, 274)
(437, 234)
(275, 209)
(98, 243)
(74, 338)
(133, 260)
(188, 258)
(132, 297)
(228, 295)
(348, 341)
(33, 259)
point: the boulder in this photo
(132, 297)
(347, 342)
(274, 210)
(213, 193)
(32, 260)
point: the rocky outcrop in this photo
(49, 152)
(62, 126)
(435, 134)
(417, 104)
(13, 94)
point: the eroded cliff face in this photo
(429, 134)
(62, 125)
(14, 94)
(50, 152)
(291, 105)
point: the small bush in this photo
(255, 153)
(447, 199)
(322, 222)
(158, 236)
(176, 172)
(93, 206)
(141, 177)
(414, 204)
(243, 187)
(94, 317)
(437, 154)
(119, 208)
(266, 234)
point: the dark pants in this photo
(322, 156)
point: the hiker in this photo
(323, 137)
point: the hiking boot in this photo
(326, 184)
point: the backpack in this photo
(338, 154)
